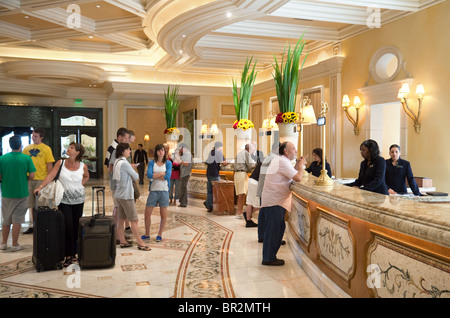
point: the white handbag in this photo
(53, 192)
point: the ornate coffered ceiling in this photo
(87, 43)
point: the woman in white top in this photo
(73, 176)
(123, 175)
(159, 172)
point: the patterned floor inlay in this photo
(201, 255)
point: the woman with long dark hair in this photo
(372, 170)
(124, 174)
(315, 167)
(159, 172)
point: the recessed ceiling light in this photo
(91, 36)
(26, 17)
(229, 14)
(98, 6)
(184, 35)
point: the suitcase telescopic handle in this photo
(99, 189)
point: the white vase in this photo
(288, 132)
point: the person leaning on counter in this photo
(397, 171)
(372, 170)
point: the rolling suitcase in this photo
(97, 236)
(48, 238)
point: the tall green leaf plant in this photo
(243, 95)
(171, 104)
(287, 76)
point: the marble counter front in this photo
(362, 244)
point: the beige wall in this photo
(424, 41)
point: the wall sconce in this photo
(403, 95)
(357, 105)
(208, 133)
(269, 124)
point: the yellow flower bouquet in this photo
(244, 124)
(286, 118)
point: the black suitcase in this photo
(97, 236)
(48, 238)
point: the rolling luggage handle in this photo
(95, 216)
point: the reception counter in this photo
(355, 243)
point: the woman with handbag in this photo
(124, 176)
(73, 175)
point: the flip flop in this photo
(144, 248)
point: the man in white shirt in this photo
(276, 199)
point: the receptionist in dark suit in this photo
(315, 168)
(397, 171)
(372, 170)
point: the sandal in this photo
(125, 245)
(144, 248)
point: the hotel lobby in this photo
(82, 69)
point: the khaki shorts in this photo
(32, 184)
(14, 210)
(126, 210)
(241, 182)
(252, 199)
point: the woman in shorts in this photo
(124, 175)
(159, 172)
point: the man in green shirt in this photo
(15, 170)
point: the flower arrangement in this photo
(242, 100)
(286, 118)
(171, 104)
(171, 130)
(287, 76)
(244, 124)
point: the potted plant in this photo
(171, 104)
(287, 77)
(243, 95)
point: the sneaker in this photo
(16, 248)
(158, 239)
(3, 246)
(145, 237)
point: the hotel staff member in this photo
(372, 170)
(397, 171)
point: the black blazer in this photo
(372, 178)
(316, 169)
(396, 177)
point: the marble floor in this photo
(202, 255)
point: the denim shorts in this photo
(155, 197)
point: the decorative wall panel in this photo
(300, 220)
(336, 244)
(405, 271)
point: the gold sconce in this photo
(357, 105)
(269, 122)
(403, 95)
(208, 133)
